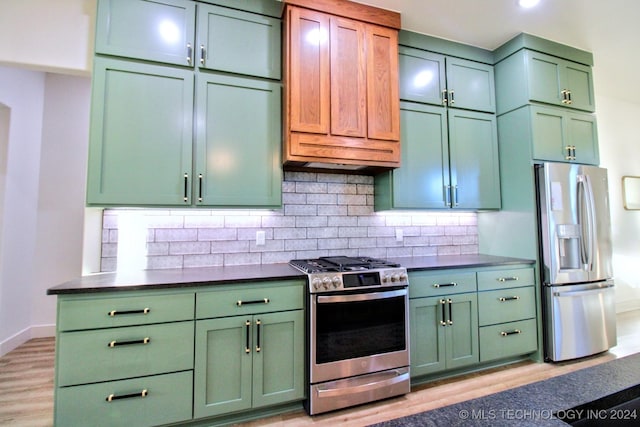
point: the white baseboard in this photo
(37, 331)
(628, 305)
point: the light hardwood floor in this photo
(26, 386)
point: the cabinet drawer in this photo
(506, 305)
(123, 310)
(110, 354)
(508, 339)
(499, 279)
(426, 284)
(168, 400)
(258, 298)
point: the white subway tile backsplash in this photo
(323, 214)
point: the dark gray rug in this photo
(540, 403)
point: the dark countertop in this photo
(193, 277)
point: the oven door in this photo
(358, 333)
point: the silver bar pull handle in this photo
(505, 299)
(445, 98)
(200, 187)
(443, 322)
(189, 54)
(203, 53)
(452, 99)
(447, 196)
(508, 279)
(450, 321)
(507, 333)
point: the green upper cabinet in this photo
(528, 76)
(153, 30)
(437, 79)
(237, 164)
(227, 39)
(141, 123)
(422, 180)
(564, 136)
(170, 126)
(449, 160)
(551, 134)
(473, 154)
(238, 42)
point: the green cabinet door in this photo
(223, 362)
(564, 136)
(583, 137)
(427, 334)
(244, 362)
(558, 81)
(462, 331)
(278, 367)
(470, 85)
(436, 79)
(449, 159)
(154, 30)
(141, 123)
(422, 76)
(444, 333)
(238, 139)
(238, 42)
(473, 154)
(424, 176)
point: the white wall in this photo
(43, 205)
(49, 35)
(22, 92)
(618, 134)
(61, 193)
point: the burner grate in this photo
(340, 263)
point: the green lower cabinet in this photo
(444, 333)
(245, 362)
(144, 401)
(508, 340)
(119, 353)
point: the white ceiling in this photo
(610, 29)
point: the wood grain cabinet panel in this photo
(341, 84)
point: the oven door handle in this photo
(374, 381)
(369, 296)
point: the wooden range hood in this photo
(341, 104)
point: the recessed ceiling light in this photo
(528, 3)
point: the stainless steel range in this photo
(358, 328)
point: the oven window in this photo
(347, 330)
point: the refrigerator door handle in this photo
(582, 293)
(586, 212)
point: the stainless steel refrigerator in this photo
(575, 254)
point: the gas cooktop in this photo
(340, 264)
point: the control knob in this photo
(326, 282)
(403, 277)
(316, 283)
(336, 282)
